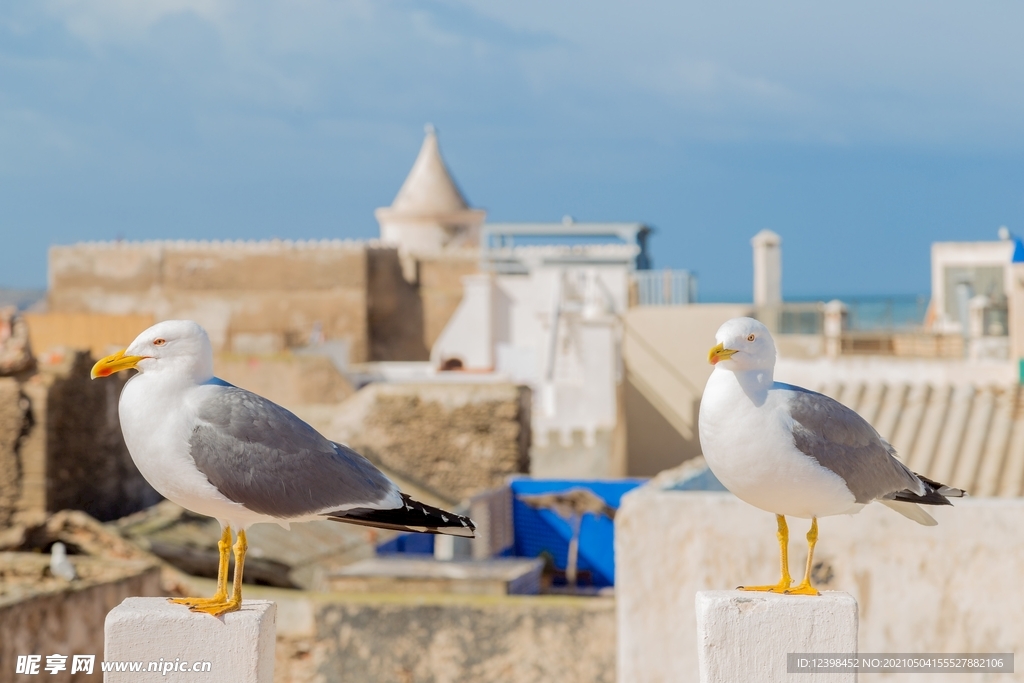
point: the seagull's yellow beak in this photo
(714, 355)
(105, 367)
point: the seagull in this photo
(795, 452)
(60, 565)
(227, 453)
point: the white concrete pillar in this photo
(767, 268)
(976, 331)
(168, 641)
(746, 636)
(834, 325)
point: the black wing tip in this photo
(413, 516)
(935, 493)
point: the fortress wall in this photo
(133, 268)
(266, 296)
(268, 293)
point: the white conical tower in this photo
(429, 213)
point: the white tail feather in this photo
(910, 511)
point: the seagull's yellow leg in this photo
(224, 546)
(235, 603)
(786, 579)
(805, 587)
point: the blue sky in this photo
(860, 132)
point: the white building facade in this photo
(550, 316)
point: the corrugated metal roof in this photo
(967, 436)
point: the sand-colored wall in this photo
(507, 639)
(93, 332)
(14, 425)
(237, 290)
(258, 297)
(665, 351)
(395, 638)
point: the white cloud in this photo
(932, 73)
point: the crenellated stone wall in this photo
(250, 296)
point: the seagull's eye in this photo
(159, 342)
(750, 338)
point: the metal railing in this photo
(664, 288)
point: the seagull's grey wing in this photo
(260, 455)
(842, 441)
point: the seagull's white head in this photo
(743, 344)
(178, 346)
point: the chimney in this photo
(767, 268)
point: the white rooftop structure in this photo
(549, 315)
(429, 212)
(962, 271)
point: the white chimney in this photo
(767, 268)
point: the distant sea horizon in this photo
(864, 311)
(736, 298)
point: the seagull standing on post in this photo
(225, 452)
(796, 452)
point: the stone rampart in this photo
(266, 296)
(260, 296)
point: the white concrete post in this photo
(976, 308)
(767, 268)
(745, 636)
(166, 638)
(834, 325)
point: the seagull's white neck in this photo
(183, 370)
(754, 383)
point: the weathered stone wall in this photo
(455, 440)
(15, 421)
(395, 638)
(262, 297)
(61, 445)
(482, 639)
(45, 615)
(88, 466)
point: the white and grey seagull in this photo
(222, 451)
(796, 452)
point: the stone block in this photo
(746, 636)
(239, 646)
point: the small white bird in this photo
(796, 452)
(225, 452)
(60, 565)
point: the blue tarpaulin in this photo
(543, 531)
